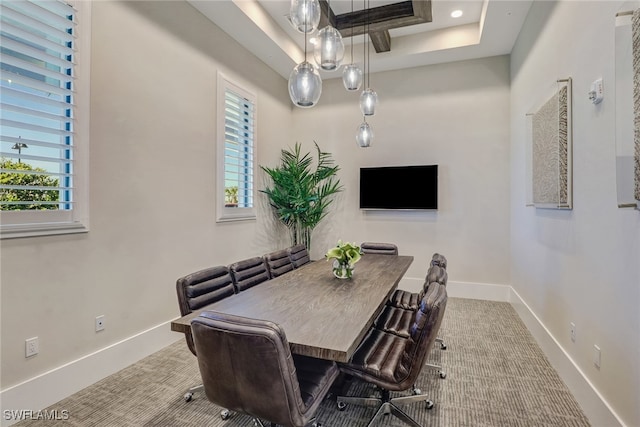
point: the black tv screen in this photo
(399, 187)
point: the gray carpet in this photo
(496, 376)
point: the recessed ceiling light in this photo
(456, 13)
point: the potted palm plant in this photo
(302, 190)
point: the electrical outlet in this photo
(596, 356)
(100, 320)
(573, 332)
(597, 91)
(31, 347)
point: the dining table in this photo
(322, 316)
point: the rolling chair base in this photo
(258, 423)
(387, 405)
(188, 396)
(438, 368)
(225, 414)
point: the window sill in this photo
(37, 230)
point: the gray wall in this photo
(578, 266)
(153, 129)
(455, 115)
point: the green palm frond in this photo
(301, 194)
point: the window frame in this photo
(29, 223)
(223, 213)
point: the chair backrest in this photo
(202, 288)
(247, 367)
(422, 334)
(248, 273)
(379, 248)
(437, 274)
(298, 255)
(278, 263)
(439, 260)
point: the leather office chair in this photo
(410, 300)
(299, 255)
(393, 363)
(396, 316)
(197, 290)
(379, 248)
(248, 273)
(247, 366)
(278, 263)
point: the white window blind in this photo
(238, 152)
(37, 135)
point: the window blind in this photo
(238, 150)
(37, 105)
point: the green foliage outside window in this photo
(231, 196)
(26, 195)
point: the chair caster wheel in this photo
(443, 374)
(429, 404)
(443, 346)
(416, 391)
(188, 397)
(342, 406)
(225, 414)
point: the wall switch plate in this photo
(32, 347)
(100, 320)
(596, 356)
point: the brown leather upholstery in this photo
(409, 300)
(379, 248)
(246, 366)
(395, 320)
(397, 315)
(202, 288)
(278, 263)
(393, 363)
(298, 255)
(248, 273)
(439, 260)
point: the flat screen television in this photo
(399, 187)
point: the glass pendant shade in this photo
(329, 49)
(305, 15)
(352, 77)
(364, 135)
(305, 85)
(368, 102)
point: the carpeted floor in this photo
(496, 376)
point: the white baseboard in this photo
(595, 407)
(483, 291)
(50, 387)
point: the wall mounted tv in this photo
(399, 187)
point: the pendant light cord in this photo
(352, 61)
(364, 45)
(368, 51)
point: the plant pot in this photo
(342, 271)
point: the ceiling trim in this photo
(379, 20)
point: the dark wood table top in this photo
(322, 316)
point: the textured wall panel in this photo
(635, 28)
(550, 168)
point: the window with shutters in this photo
(44, 117)
(236, 151)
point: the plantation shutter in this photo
(37, 105)
(238, 150)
